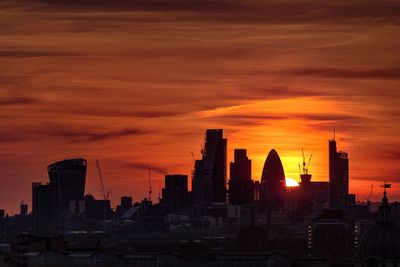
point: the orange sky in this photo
(136, 83)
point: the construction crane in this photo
(304, 170)
(370, 193)
(192, 157)
(103, 193)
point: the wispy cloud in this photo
(144, 166)
(17, 100)
(346, 73)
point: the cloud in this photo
(144, 166)
(51, 131)
(346, 73)
(239, 11)
(17, 100)
(33, 53)
(81, 137)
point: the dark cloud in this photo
(144, 166)
(33, 53)
(79, 136)
(70, 134)
(262, 119)
(17, 100)
(244, 11)
(346, 73)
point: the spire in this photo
(384, 208)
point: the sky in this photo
(135, 84)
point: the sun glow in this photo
(290, 182)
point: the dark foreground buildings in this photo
(265, 224)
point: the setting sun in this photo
(290, 182)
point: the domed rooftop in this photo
(382, 241)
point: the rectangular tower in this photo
(209, 176)
(338, 176)
(175, 193)
(241, 189)
(44, 209)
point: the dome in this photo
(381, 241)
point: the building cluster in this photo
(238, 221)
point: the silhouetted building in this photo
(68, 177)
(332, 236)
(2, 213)
(209, 177)
(44, 209)
(125, 205)
(126, 202)
(310, 195)
(23, 209)
(338, 176)
(175, 192)
(273, 184)
(97, 209)
(380, 245)
(241, 187)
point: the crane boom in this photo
(102, 190)
(370, 193)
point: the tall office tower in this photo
(209, 177)
(273, 184)
(338, 176)
(175, 192)
(44, 208)
(200, 193)
(241, 187)
(68, 177)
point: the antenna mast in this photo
(150, 185)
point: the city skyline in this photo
(160, 184)
(137, 86)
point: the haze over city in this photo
(137, 85)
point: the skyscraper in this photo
(44, 208)
(175, 192)
(338, 176)
(209, 177)
(273, 184)
(68, 177)
(241, 189)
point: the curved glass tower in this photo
(68, 177)
(273, 185)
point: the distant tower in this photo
(273, 185)
(44, 208)
(209, 177)
(338, 176)
(23, 208)
(68, 177)
(241, 188)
